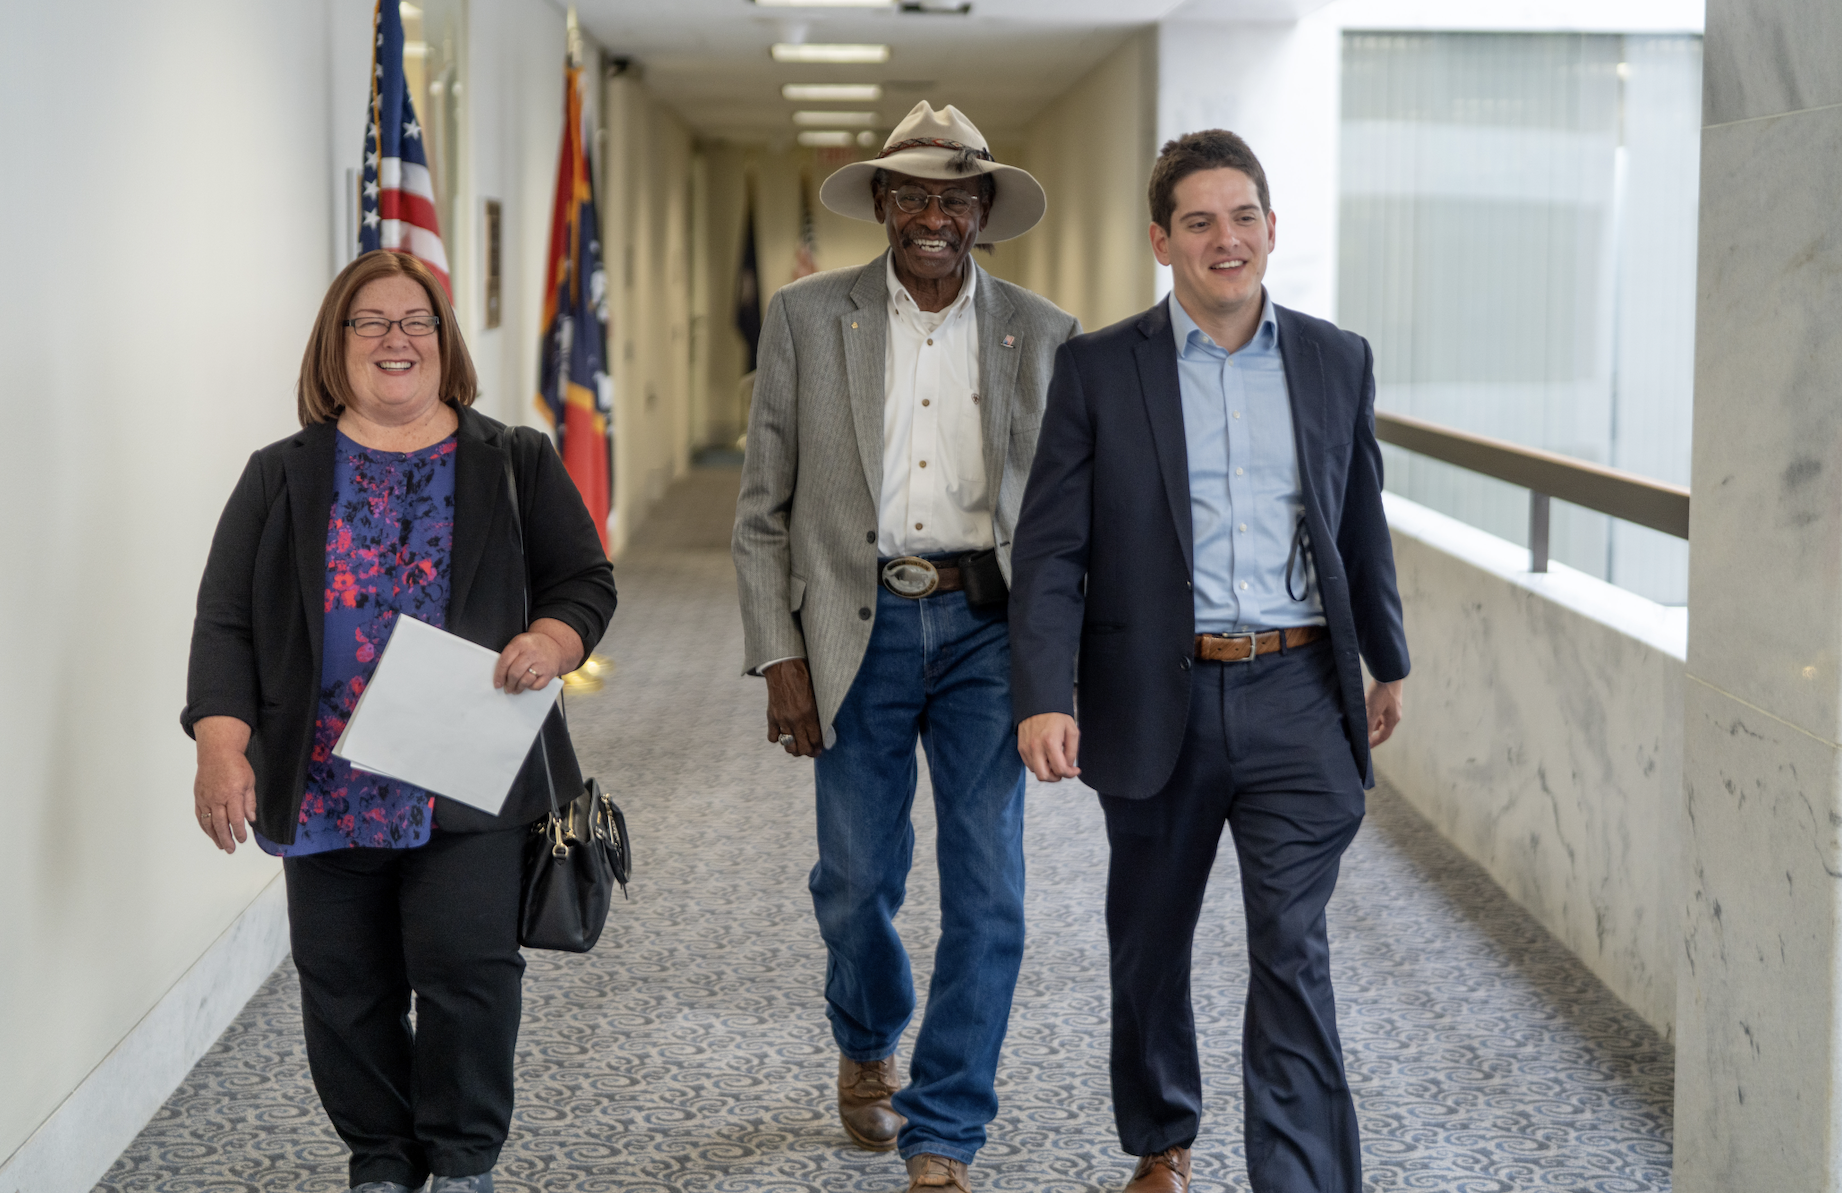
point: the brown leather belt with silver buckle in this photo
(1241, 648)
(914, 578)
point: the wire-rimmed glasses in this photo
(914, 201)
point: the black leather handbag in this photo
(576, 854)
(572, 861)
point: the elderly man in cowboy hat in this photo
(892, 429)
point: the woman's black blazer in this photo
(256, 641)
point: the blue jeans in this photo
(940, 670)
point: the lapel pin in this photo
(1010, 341)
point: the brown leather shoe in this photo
(1166, 1172)
(864, 1089)
(927, 1171)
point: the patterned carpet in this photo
(690, 1054)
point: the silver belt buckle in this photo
(1253, 645)
(911, 577)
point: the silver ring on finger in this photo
(786, 739)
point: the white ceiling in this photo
(708, 59)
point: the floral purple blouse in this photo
(388, 540)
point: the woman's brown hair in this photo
(324, 390)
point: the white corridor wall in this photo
(171, 211)
(167, 237)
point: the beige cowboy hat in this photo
(942, 145)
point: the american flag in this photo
(397, 196)
(806, 251)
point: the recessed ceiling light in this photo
(842, 93)
(825, 3)
(827, 140)
(832, 52)
(835, 119)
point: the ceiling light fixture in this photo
(835, 119)
(827, 140)
(830, 52)
(833, 93)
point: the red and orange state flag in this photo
(574, 391)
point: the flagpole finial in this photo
(575, 40)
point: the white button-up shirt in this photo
(934, 496)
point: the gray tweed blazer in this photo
(805, 536)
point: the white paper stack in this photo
(432, 718)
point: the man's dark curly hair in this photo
(1210, 149)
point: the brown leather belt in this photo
(949, 580)
(1240, 648)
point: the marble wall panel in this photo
(1543, 737)
(1766, 571)
(1770, 56)
(1757, 1018)
(1759, 1025)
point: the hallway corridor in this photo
(690, 1054)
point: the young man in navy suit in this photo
(1203, 532)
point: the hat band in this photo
(936, 143)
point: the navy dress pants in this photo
(1265, 754)
(371, 928)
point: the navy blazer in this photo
(256, 641)
(1103, 552)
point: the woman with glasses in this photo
(394, 500)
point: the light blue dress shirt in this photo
(1246, 500)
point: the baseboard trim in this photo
(75, 1147)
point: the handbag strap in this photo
(543, 748)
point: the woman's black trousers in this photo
(371, 927)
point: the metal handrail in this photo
(1545, 475)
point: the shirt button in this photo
(1237, 414)
(1243, 586)
(930, 343)
(863, 615)
(917, 525)
(1243, 528)
(926, 402)
(924, 463)
(869, 536)
(975, 398)
(1239, 471)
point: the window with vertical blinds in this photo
(1517, 241)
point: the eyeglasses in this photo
(376, 329)
(914, 201)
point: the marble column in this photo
(1759, 994)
